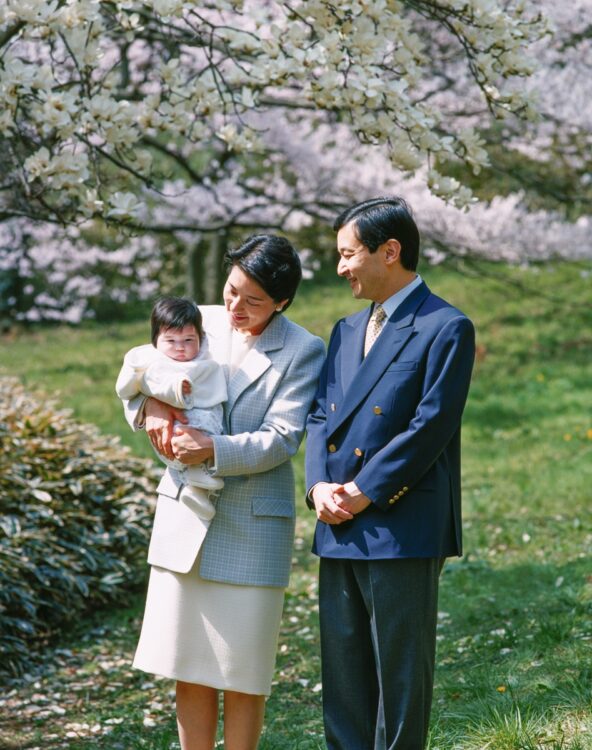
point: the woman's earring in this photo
(279, 309)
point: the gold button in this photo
(392, 501)
(332, 448)
(358, 452)
(377, 410)
(333, 407)
(405, 489)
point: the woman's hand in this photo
(159, 425)
(192, 446)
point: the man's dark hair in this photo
(175, 312)
(381, 219)
(272, 262)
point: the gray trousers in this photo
(378, 641)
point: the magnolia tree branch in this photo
(9, 32)
(99, 86)
(157, 122)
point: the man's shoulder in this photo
(353, 318)
(437, 308)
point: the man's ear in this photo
(392, 251)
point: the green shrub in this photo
(75, 515)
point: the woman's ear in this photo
(280, 305)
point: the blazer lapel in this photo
(395, 334)
(219, 337)
(352, 347)
(257, 361)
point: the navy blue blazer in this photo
(391, 423)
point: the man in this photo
(383, 472)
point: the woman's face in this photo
(249, 307)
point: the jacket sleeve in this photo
(128, 389)
(208, 385)
(164, 384)
(407, 457)
(282, 428)
(133, 410)
(128, 382)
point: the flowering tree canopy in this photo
(178, 119)
(91, 91)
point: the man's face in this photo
(364, 270)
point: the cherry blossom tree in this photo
(190, 121)
(53, 273)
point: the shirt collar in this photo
(391, 304)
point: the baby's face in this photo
(181, 344)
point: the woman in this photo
(212, 616)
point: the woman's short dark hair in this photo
(272, 262)
(175, 312)
(381, 219)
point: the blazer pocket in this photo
(401, 366)
(177, 534)
(168, 486)
(272, 506)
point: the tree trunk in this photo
(205, 269)
(213, 272)
(194, 258)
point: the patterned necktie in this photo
(374, 327)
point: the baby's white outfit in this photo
(150, 372)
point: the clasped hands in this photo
(183, 444)
(336, 503)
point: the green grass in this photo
(515, 629)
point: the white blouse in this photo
(240, 345)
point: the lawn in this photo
(515, 623)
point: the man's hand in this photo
(192, 446)
(348, 497)
(326, 505)
(159, 425)
(186, 387)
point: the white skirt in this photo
(216, 634)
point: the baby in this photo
(175, 369)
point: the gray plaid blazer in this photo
(250, 538)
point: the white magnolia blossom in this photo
(124, 205)
(91, 84)
(265, 114)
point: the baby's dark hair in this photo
(175, 312)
